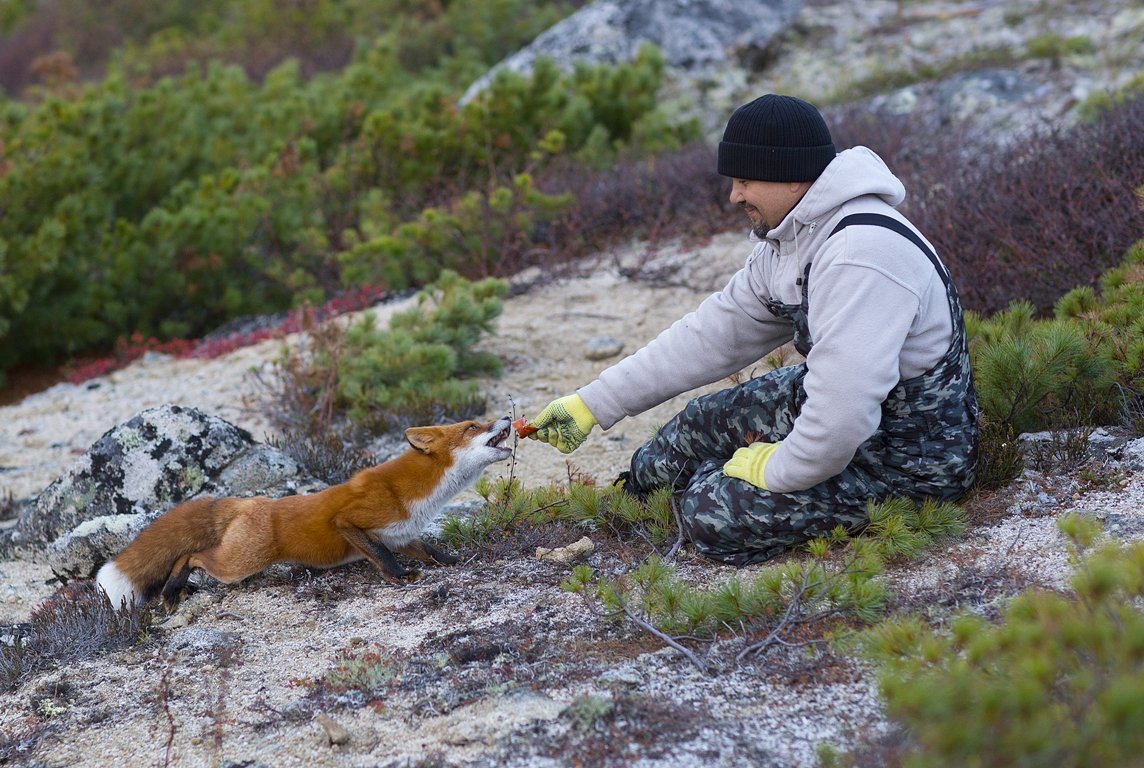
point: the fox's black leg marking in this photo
(173, 590)
(377, 553)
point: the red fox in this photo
(379, 509)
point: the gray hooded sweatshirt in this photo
(877, 312)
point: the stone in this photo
(577, 549)
(78, 553)
(694, 35)
(335, 733)
(603, 347)
(151, 462)
(135, 472)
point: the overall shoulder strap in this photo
(888, 222)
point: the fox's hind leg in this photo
(427, 553)
(173, 590)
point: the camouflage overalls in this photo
(925, 445)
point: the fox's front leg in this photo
(377, 553)
(427, 553)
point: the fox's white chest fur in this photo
(469, 462)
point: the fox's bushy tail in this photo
(137, 575)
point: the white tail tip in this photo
(118, 587)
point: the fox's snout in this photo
(496, 436)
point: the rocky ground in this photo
(490, 662)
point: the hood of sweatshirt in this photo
(853, 173)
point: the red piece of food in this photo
(523, 429)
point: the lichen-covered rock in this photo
(79, 553)
(141, 469)
(263, 470)
(696, 36)
(146, 465)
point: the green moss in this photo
(1053, 46)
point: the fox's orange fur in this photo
(380, 509)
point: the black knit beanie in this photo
(775, 138)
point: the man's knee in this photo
(730, 520)
(733, 521)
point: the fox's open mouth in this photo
(501, 436)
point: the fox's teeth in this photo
(498, 438)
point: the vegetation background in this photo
(166, 168)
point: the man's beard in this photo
(758, 228)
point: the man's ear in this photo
(420, 438)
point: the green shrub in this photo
(420, 370)
(583, 505)
(481, 234)
(772, 604)
(129, 212)
(167, 209)
(342, 381)
(1057, 681)
(463, 39)
(1084, 366)
(1115, 317)
(797, 602)
(1100, 102)
(1034, 375)
(1054, 46)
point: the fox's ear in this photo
(420, 438)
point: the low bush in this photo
(163, 38)
(421, 370)
(169, 209)
(838, 580)
(798, 602)
(1057, 681)
(1034, 375)
(1084, 366)
(329, 455)
(359, 677)
(1001, 456)
(479, 235)
(581, 505)
(418, 371)
(77, 623)
(1054, 211)
(672, 194)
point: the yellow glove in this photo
(747, 463)
(564, 423)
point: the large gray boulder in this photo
(141, 468)
(697, 37)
